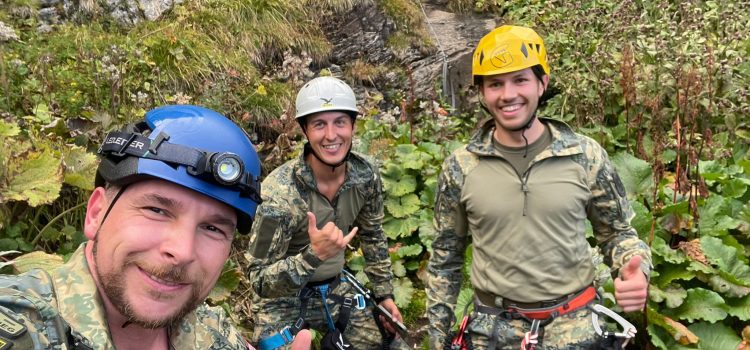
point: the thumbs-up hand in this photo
(631, 287)
(329, 240)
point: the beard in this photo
(113, 285)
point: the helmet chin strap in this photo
(521, 128)
(308, 150)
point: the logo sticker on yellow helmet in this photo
(501, 57)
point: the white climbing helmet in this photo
(325, 94)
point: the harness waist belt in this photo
(567, 304)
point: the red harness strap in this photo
(578, 301)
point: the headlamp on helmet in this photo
(190, 146)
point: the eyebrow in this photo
(169, 203)
(218, 219)
(161, 200)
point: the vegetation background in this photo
(662, 85)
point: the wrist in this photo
(309, 256)
(379, 299)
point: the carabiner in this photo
(628, 330)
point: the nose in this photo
(508, 92)
(330, 132)
(178, 245)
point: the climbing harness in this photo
(320, 290)
(334, 338)
(537, 317)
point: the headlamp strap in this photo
(119, 144)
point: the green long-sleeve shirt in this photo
(528, 230)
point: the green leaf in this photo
(427, 195)
(465, 296)
(666, 332)
(403, 206)
(669, 273)
(405, 185)
(7, 244)
(702, 304)
(726, 258)
(392, 172)
(395, 227)
(8, 129)
(432, 149)
(659, 247)
(80, 168)
(356, 263)
(227, 283)
(711, 170)
(673, 295)
(723, 286)
(668, 156)
(36, 179)
(739, 308)
(715, 336)
(734, 188)
(409, 250)
(42, 114)
(402, 291)
(37, 260)
(717, 215)
(398, 268)
(636, 174)
(642, 220)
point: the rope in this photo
(446, 81)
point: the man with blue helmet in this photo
(170, 194)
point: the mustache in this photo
(171, 273)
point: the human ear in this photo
(545, 83)
(94, 210)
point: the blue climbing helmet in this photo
(191, 146)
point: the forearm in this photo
(374, 246)
(443, 287)
(611, 214)
(283, 277)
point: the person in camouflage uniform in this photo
(151, 259)
(522, 190)
(308, 204)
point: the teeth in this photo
(511, 108)
(331, 147)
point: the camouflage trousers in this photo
(272, 315)
(571, 331)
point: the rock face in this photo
(360, 34)
(7, 33)
(455, 36)
(125, 12)
(363, 33)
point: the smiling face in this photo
(330, 135)
(159, 252)
(512, 98)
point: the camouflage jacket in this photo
(277, 271)
(607, 208)
(62, 310)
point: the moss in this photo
(411, 28)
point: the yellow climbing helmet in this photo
(508, 49)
